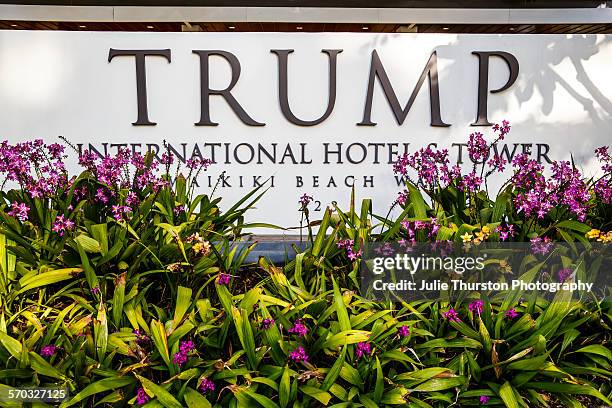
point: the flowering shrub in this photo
(128, 289)
(535, 203)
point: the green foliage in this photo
(120, 299)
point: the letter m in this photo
(377, 70)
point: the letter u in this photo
(283, 56)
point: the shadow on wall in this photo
(577, 83)
(561, 65)
(577, 48)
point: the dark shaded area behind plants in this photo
(126, 287)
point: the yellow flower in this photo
(505, 265)
(202, 248)
(194, 238)
(174, 267)
(594, 233)
(467, 237)
(484, 233)
(605, 238)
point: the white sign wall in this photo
(62, 83)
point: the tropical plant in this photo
(126, 288)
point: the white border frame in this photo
(305, 15)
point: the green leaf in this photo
(90, 274)
(368, 403)
(419, 206)
(458, 343)
(596, 349)
(423, 374)
(106, 384)
(100, 234)
(8, 404)
(574, 225)
(158, 334)
(12, 345)
(318, 243)
(101, 332)
(88, 244)
(225, 297)
(485, 336)
(445, 233)
(273, 339)
(395, 396)
(343, 318)
(261, 399)
(119, 299)
(47, 278)
(194, 399)
(474, 367)
(267, 381)
(249, 300)
(339, 391)
(350, 374)
(333, 372)
(379, 387)
(346, 337)
(118, 345)
(299, 261)
(42, 367)
(322, 396)
(396, 355)
(183, 302)
(163, 396)
(111, 399)
(508, 395)
(245, 335)
(566, 388)
(529, 364)
(439, 384)
(499, 208)
(284, 388)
